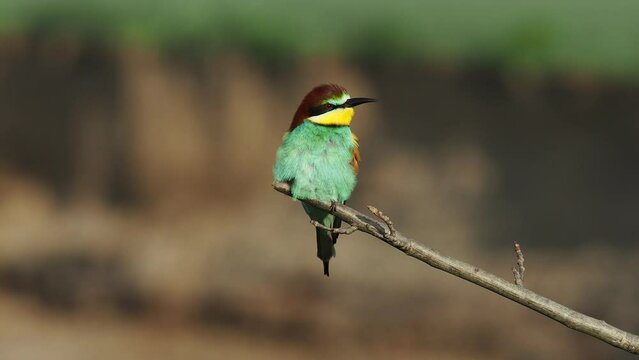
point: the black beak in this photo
(352, 102)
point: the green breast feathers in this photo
(317, 160)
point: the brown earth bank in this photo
(137, 219)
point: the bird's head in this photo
(328, 105)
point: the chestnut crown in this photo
(327, 104)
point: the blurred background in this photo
(137, 218)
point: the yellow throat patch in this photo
(337, 117)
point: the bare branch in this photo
(346, 231)
(518, 271)
(560, 313)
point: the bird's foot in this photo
(333, 206)
(346, 231)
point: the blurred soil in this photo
(137, 219)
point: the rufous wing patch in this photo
(356, 156)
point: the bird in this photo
(319, 157)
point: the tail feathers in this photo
(325, 239)
(325, 248)
(337, 223)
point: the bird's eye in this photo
(328, 106)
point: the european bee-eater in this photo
(319, 157)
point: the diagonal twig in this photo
(560, 313)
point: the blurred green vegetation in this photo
(583, 37)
